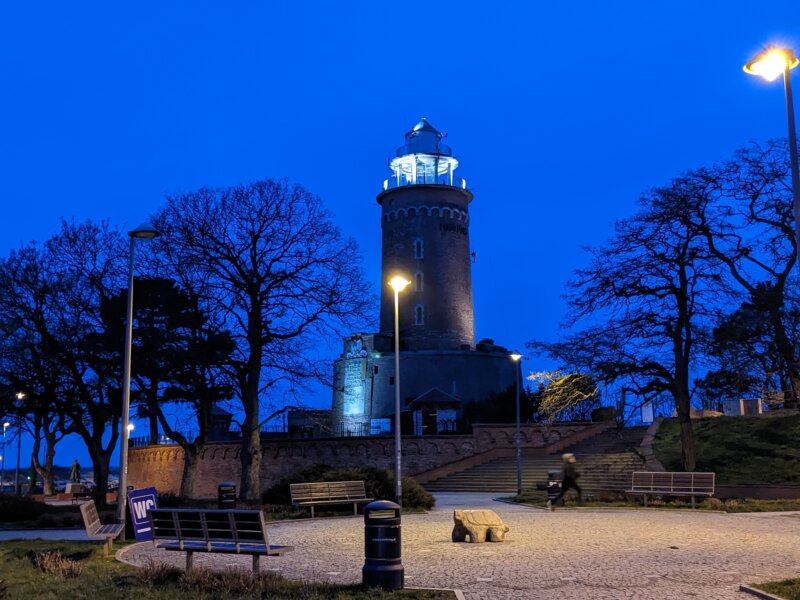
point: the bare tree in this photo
(566, 395)
(54, 293)
(267, 258)
(748, 224)
(88, 261)
(647, 301)
(25, 363)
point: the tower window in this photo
(418, 281)
(418, 248)
(419, 315)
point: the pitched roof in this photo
(435, 396)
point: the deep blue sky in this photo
(560, 113)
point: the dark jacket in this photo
(569, 472)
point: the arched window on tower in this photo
(418, 281)
(419, 315)
(419, 248)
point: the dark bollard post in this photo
(383, 566)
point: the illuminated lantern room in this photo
(424, 160)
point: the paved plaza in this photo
(566, 554)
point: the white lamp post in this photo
(517, 357)
(398, 284)
(6, 425)
(20, 396)
(144, 231)
(771, 64)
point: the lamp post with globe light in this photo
(771, 64)
(6, 425)
(20, 396)
(516, 357)
(398, 284)
(144, 231)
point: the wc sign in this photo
(139, 502)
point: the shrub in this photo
(378, 484)
(20, 508)
(233, 582)
(713, 504)
(54, 562)
(72, 521)
(46, 521)
(415, 496)
(155, 573)
(606, 496)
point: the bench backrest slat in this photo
(327, 490)
(677, 482)
(208, 525)
(91, 520)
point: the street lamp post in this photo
(144, 231)
(6, 425)
(517, 357)
(771, 64)
(398, 284)
(20, 397)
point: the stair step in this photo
(605, 462)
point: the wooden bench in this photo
(206, 530)
(328, 492)
(670, 483)
(96, 530)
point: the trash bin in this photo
(554, 487)
(382, 548)
(226, 495)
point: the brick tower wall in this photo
(438, 216)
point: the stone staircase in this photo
(605, 462)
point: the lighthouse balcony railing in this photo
(428, 179)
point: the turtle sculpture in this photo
(479, 525)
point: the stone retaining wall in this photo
(162, 466)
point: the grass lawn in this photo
(788, 588)
(740, 450)
(31, 569)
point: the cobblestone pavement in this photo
(567, 554)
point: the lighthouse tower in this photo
(425, 224)
(425, 221)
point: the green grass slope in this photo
(740, 450)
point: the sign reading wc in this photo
(139, 502)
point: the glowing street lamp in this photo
(398, 284)
(771, 64)
(145, 231)
(517, 357)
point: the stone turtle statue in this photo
(479, 525)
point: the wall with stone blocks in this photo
(162, 466)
